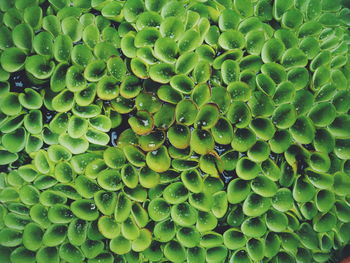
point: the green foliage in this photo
(174, 131)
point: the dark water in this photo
(115, 132)
(23, 159)
(47, 114)
(309, 147)
(4, 168)
(113, 135)
(221, 149)
(228, 176)
(19, 81)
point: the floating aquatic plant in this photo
(174, 131)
